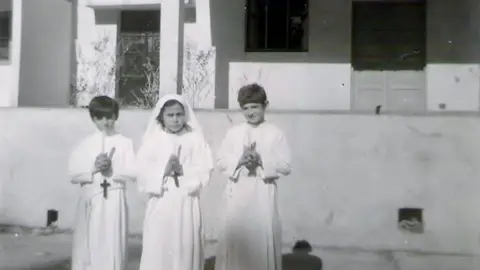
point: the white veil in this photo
(153, 126)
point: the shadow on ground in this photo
(299, 259)
(291, 261)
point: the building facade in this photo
(405, 55)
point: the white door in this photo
(399, 91)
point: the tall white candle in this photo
(103, 143)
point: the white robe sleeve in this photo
(226, 160)
(151, 165)
(80, 169)
(278, 161)
(127, 170)
(198, 173)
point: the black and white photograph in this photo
(239, 134)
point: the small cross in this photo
(105, 186)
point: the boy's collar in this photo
(255, 126)
(114, 132)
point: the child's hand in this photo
(253, 158)
(256, 159)
(173, 166)
(176, 166)
(102, 163)
(246, 159)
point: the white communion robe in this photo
(173, 235)
(100, 233)
(250, 238)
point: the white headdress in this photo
(153, 126)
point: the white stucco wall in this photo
(9, 70)
(345, 188)
(45, 65)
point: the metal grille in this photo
(138, 54)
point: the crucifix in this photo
(105, 186)
(177, 174)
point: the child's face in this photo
(105, 124)
(174, 118)
(254, 113)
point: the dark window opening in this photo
(52, 217)
(411, 219)
(389, 36)
(276, 25)
(138, 54)
(5, 34)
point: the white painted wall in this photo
(345, 189)
(455, 85)
(9, 70)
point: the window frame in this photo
(148, 33)
(247, 18)
(7, 16)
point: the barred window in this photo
(5, 34)
(276, 25)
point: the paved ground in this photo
(27, 251)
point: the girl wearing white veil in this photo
(175, 163)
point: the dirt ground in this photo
(52, 252)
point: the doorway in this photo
(138, 54)
(389, 55)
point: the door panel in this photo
(395, 90)
(405, 90)
(369, 90)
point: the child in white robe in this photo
(174, 164)
(100, 165)
(253, 155)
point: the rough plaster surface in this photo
(351, 174)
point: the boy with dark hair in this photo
(253, 155)
(101, 164)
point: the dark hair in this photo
(252, 93)
(103, 106)
(169, 103)
(302, 245)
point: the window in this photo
(5, 34)
(138, 55)
(389, 36)
(276, 25)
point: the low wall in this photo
(351, 174)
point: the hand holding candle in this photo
(103, 162)
(174, 168)
(250, 157)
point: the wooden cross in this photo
(105, 186)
